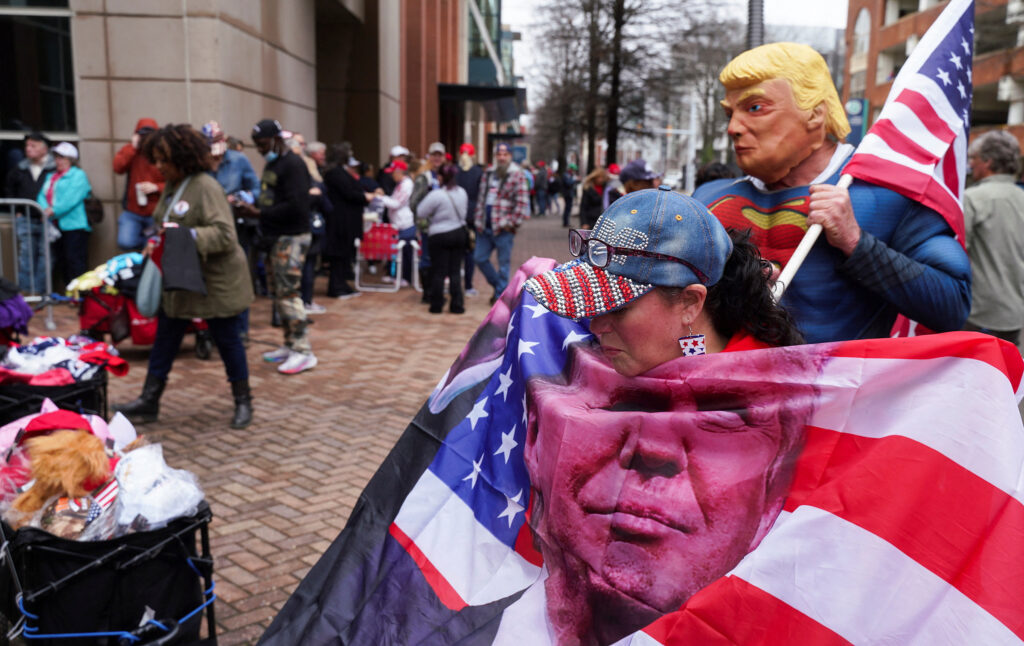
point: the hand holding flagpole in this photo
(804, 248)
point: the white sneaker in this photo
(277, 356)
(298, 362)
(390, 280)
(315, 308)
(353, 294)
(471, 292)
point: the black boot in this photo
(146, 408)
(243, 404)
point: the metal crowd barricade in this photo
(11, 210)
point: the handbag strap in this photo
(175, 198)
(462, 216)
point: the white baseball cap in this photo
(65, 149)
(398, 151)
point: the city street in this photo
(282, 489)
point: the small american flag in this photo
(918, 145)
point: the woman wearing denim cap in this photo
(659, 278)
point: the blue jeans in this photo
(170, 332)
(486, 242)
(31, 259)
(130, 230)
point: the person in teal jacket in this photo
(63, 200)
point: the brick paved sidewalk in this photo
(282, 489)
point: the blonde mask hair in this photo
(806, 72)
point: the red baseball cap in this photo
(613, 168)
(467, 148)
(397, 164)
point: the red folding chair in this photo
(380, 243)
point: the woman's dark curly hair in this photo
(742, 298)
(181, 145)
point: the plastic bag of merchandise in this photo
(90, 518)
(152, 493)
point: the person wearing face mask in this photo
(503, 205)
(283, 212)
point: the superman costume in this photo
(906, 262)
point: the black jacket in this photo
(284, 197)
(469, 180)
(20, 183)
(591, 206)
(345, 223)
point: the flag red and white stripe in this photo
(905, 520)
(918, 145)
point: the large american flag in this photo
(902, 525)
(918, 145)
(904, 522)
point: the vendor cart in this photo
(150, 587)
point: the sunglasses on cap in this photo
(599, 253)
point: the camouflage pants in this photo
(286, 258)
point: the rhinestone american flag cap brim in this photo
(578, 290)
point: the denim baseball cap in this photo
(692, 243)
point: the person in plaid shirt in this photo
(504, 205)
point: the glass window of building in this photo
(37, 77)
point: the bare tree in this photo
(708, 43)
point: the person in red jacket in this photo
(144, 185)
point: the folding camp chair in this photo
(380, 243)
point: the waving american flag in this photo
(918, 145)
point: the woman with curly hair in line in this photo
(193, 201)
(677, 284)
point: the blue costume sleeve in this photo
(922, 271)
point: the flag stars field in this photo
(475, 473)
(513, 508)
(508, 443)
(526, 347)
(505, 380)
(477, 413)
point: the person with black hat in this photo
(637, 175)
(283, 212)
(24, 182)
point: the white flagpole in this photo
(802, 249)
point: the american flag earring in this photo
(693, 344)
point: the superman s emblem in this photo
(776, 230)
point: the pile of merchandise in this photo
(82, 478)
(54, 361)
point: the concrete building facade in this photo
(366, 71)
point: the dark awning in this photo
(501, 103)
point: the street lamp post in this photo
(755, 23)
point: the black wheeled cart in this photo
(140, 589)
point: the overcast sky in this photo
(519, 14)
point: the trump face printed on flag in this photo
(648, 488)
